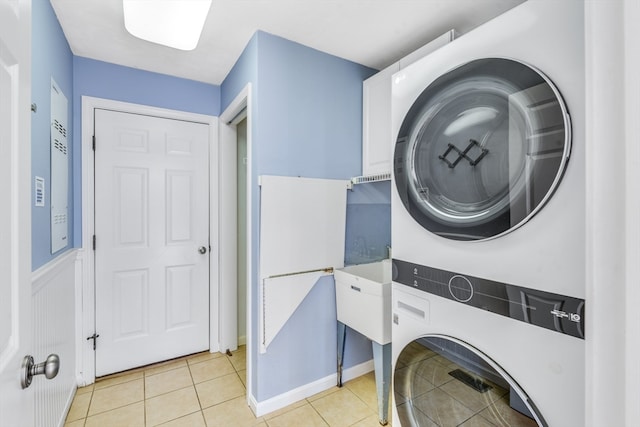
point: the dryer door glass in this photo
(482, 149)
(441, 381)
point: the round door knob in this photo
(202, 250)
(49, 368)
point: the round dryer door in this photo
(482, 149)
(440, 381)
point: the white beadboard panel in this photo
(53, 300)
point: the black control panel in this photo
(547, 310)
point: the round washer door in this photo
(482, 149)
(440, 381)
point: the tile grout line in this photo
(145, 374)
(144, 396)
(320, 415)
(375, 412)
(86, 414)
(117, 407)
(193, 384)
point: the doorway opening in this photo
(235, 230)
(241, 151)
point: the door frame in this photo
(229, 118)
(19, 208)
(612, 209)
(85, 306)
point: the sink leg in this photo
(382, 365)
(342, 334)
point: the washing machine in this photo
(488, 223)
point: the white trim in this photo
(242, 340)
(612, 232)
(85, 308)
(307, 390)
(79, 292)
(228, 136)
(214, 238)
(67, 406)
(228, 240)
(357, 371)
(42, 275)
(632, 197)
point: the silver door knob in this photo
(49, 368)
(202, 250)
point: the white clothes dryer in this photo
(488, 225)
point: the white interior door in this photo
(152, 239)
(16, 405)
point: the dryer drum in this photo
(482, 149)
(442, 381)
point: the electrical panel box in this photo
(59, 169)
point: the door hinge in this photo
(93, 143)
(94, 242)
(93, 337)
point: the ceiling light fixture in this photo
(174, 23)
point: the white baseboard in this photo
(67, 407)
(357, 371)
(307, 390)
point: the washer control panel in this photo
(547, 310)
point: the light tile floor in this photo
(209, 390)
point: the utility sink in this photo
(363, 299)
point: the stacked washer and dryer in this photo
(488, 221)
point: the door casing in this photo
(229, 118)
(85, 311)
(16, 404)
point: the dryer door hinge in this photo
(94, 242)
(93, 143)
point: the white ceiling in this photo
(374, 33)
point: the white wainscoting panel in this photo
(53, 307)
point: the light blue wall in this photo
(51, 58)
(244, 71)
(368, 223)
(109, 81)
(310, 111)
(306, 121)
